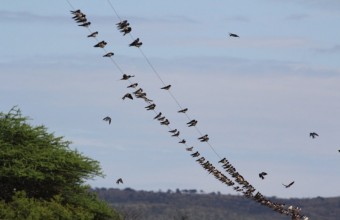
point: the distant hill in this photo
(193, 205)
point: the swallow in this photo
(233, 35)
(224, 160)
(107, 118)
(158, 115)
(150, 107)
(166, 122)
(182, 141)
(173, 131)
(204, 138)
(94, 34)
(189, 148)
(127, 95)
(138, 91)
(120, 180)
(313, 134)
(126, 30)
(86, 24)
(262, 174)
(166, 87)
(134, 85)
(101, 44)
(126, 77)
(192, 123)
(76, 11)
(289, 185)
(183, 110)
(109, 54)
(81, 19)
(176, 134)
(161, 118)
(196, 154)
(136, 43)
(122, 24)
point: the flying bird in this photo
(289, 185)
(313, 134)
(86, 24)
(183, 110)
(136, 43)
(109, 54)
(120, 180)
(133, 85)
(101, 44)
(107, 118)
(166, 87)
(233, 35)
(127, 95)
(126, 77)
(262, 174)
(94, 34)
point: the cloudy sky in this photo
(258, 96)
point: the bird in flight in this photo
(166, 87)
(107, 118)
(109, 54)
(120, 180)
(136, 43)
(94, 34)
(233, 35)
(289, 185)
(313, 134)
(101, 44)
(262, 174)
(127, 95)
(183, 110)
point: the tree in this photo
(45, 178)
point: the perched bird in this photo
(75, 11)
(289, 185)
(192, 123)
(101, 44)
(158, 115)
(126, 30)
(138, 91)
(122, 24)
(150, 107)
(120, 180)
(109, 54)
(126, 77)
(166, 122)
(136, 43)
(127, 95)
(204, 138)
(161, 118)
(196, 154)
(313, 134)
(107, 118)
(166, 87)
(224, 160)
(176, 134)
(94, 34)
(189, 148)
(183, 110)
(133, 85)
(182, 141)
(262, 174)
(233, 35)
(173, 131)
(86, 24)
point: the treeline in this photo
(192, 204)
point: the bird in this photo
(75, 11)
(122, 24)
(189, 148)
(109, 54)
(126, 77)
(196, 154)
(136, 43)
(161, 118)
(192, 123)
(183, 141)
(126, 30)
(289, 185)
(204, 138)
(262, 174)
(120, 180)
(166, 122)
(86, 24)
(183, 110)
(176, 134)
(224, 160)
(127, 95)
(313, 134)
(150, 107)
(158, 115)
(173, 131)
(94, 34)
(339, 151)
(101, 44)
(133, 85)
(166, 87)
(107, 118)
(233, 35)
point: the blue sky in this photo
(257, 96)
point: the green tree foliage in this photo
(41, 177)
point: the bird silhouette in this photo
(183, 110)
(166, 87)
(158, 115)
(150, 107)
(166, 122)
(196, 154)
(86, 24)
(161, 118)
(101, 44)
(173, 131)
(189, 148)
(313, 135)
(76, 11)
(122, 24)
(183, 141)
(109, 54)
(192, 123)
(126, 30)
(94, 34)
(289, 185)
(133, 85)
(224, 160)
(136, 43)
(127, 95)
(262, 174)
(176, 134)
(126, 77)
(107, 118)
(233, 35)
(204, 138)
(120, 180)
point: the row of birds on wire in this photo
(239, 184)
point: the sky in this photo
(257, 96)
